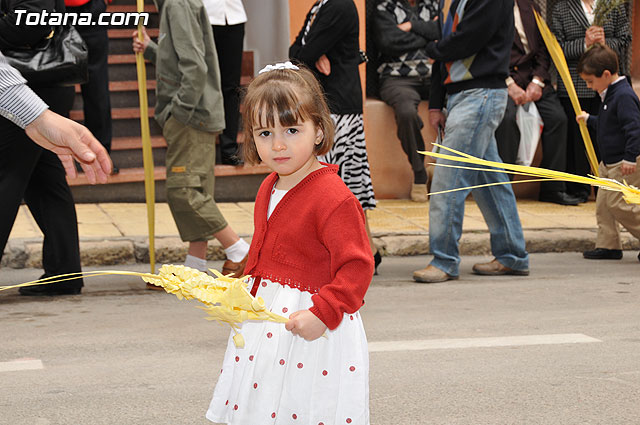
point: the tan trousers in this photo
(191, 157)
(612, 209)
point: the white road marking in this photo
(21, 364)
(504, 341)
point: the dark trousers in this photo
(95, 92)
(553, 139)
(229, 46)
(577, 160)
(36, 175)
(404, 94)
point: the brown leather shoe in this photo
(234, 269)
(432, 274)
(494, 268)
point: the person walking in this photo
(472, 59)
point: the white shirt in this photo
(225, 12)
(517, 21)
(590, 16)
(274, 200)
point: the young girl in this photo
(311, 262)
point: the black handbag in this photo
(62, 59)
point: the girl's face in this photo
(289, 151)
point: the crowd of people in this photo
(475, 61)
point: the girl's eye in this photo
(265, 133)
(292, 130)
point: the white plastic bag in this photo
(530, 125)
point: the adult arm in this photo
(18, 103)
(345, 237)
(391, 40)
(334, 20)
(188, 42)
(542, 58)
(622, 33)
(68, 139)
(437, 91)
(473, 32)
(574, 48)
(629, 119)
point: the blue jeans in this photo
(473, 118)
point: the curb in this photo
(27, 253)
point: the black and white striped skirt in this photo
(349, 153)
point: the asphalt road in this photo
(561, 346)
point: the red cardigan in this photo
(315, 240)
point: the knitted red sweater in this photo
(315, 240)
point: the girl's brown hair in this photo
(293, 96)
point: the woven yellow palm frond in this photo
(630, 193)
(226, 299)
(555, 50)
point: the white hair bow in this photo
(281, 65)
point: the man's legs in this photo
(229, 45)
(473, 117)
(554, 139)
(508, 134)
(404, 96)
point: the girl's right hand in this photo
(582, 117)
(305, 324)
(140, 46)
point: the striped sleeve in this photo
(18, 103)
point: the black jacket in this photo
(475, 48)
(618, 124)
(334, 33)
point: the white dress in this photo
(279, 378)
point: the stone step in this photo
(123, 94)
(233, 184)
(128, 143)
(116, 113)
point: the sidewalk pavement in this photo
(116, 233)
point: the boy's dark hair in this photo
(290, 96)
(597, 59)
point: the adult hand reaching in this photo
(70, 140)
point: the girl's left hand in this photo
(305, 324)
(323, 65)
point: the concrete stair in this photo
(233, 184)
